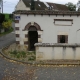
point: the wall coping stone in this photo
(57, 45)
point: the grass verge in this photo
(4, 33)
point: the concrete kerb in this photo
(55, 62)
(1, 52)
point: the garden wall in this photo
(46, 51)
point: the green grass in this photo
(4, 33)
(6, 16)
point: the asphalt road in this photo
(10, 70)
(57, 73)
(7, 39)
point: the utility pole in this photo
(2, 6)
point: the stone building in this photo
(46, 27)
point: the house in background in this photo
(25, 5)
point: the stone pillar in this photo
(17, 31)
(39, 36)
(25, 40)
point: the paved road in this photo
(7, 39)
(10, 70)
(57, 73)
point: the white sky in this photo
(9, 5)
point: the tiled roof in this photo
(44, 7)
(37, 3)
(46, 12)
(59, 7)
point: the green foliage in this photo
(22, 54)
(2, 18)
(4, 33)
(32, 5)
(18, 54)
(6, 16)
(13, 52)
(10, 16)
(71, 6)
(31, 58)
(31, 53)
(7, 24)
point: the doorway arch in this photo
(32, 39)
(32, 35)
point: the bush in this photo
(31, 58)
(10, 16)
(18, 54)
(7, 25)
(2, 18)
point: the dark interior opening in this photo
(62, 39)
(32, 39)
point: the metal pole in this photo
(2, 6)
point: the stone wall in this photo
(46, 51)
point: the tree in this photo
(11, 16)
(71, 6)
(32, 5)
(2, 18)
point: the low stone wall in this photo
(46, 51)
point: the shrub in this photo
(31, 58)
(2, 18)
(11, 16)
(18, 54)
(7, 25)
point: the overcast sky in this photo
(9, 5)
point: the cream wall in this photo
(50, 31)
(56, 52)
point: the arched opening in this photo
(32, 38)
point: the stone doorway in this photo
(32, 39)
(32, 32)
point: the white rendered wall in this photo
(50, 31)
(57, 53)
